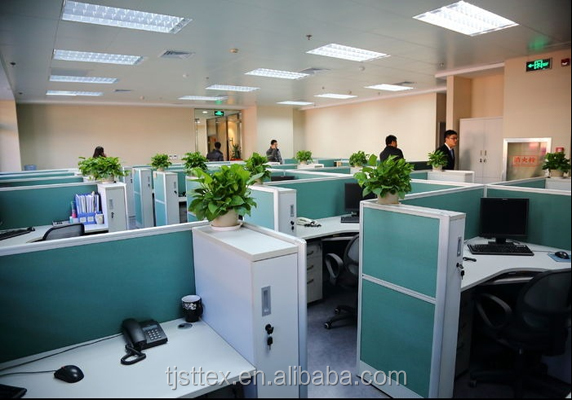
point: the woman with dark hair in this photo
(98, 152)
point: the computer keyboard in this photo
(501, 249)
(15, 232)
(349, 219)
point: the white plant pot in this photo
(388, 199)
(556, 173)
(437, 169)
(230, 219)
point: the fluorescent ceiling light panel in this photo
(84, 56)
(72, 93)
(335, 96)
(204, 98)
(272, 73)
(82, 79)
(296, 103)
(391, 88)
(346, 53)
(122, 17)
(232, 88)
(466, 18)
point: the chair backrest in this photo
(543, 309)
(64, 231)
(351, 256)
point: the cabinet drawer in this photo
(313, 249)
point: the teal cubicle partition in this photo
(264, 212)
(549, 216)
(58, 295)
(35, 181)
(39, 205)
(538, 183)
(36, 174)
(419, 174)
(464, 199)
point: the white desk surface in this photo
(198, 346)
(330, 226)
(39, 232)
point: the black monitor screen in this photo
(353, 196)
(502, 218)
(275, 178)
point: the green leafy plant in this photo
(304, 156)
(358, 159)
(194, 160)
(235, 152)
(160, 161)
(257, 164)
(389, 176)
(101, 167)
(437, 159)
(226, 189)
(556, 161)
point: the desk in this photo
(198, 347)
(39, 232)
(330, 226)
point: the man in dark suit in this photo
(451, 138)
(390, 149)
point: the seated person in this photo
(215, 154)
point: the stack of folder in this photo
(87, 205)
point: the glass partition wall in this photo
(225, 129)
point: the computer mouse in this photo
(69, 373)
(562, 254)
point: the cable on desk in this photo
(55, 354)
(26, 372)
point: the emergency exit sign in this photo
(219, 113)
(537, 65)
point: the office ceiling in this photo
(228, 38)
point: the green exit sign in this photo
(537, 65)
(219, 113)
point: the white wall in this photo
(342, 130)
(9, 140)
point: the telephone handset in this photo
(140, 336)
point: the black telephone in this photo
(140, 336)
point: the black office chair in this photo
(64, 231)
(538, 326)
(344, 273)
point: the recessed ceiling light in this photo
(232, 88)
(391, 88)
(84, 56)
(122, 17)
(72, 93)
(82, 79)
(272, 73)
(296, 103)
(346, 52)
(335, 96)
(204, 98)
(466, 18)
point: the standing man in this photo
(215, 154)
(451, 138)
(273, 153)
(390, 149)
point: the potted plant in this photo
(223, 196)
(235, 153)
(556, 163)
(437, 160)
(194, 160)
(257, 165)
(101, 168)
(358, 159)
(390, 179)
(160, 161)
(304, 156)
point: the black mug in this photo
(193, 307)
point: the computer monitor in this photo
(353, 196)
(275, 178)
(503, 218)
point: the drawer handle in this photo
(310, 281)
(310, 253)
(310, 267)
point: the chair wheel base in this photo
(327, 325)
(337, 310)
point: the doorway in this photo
(226, 129)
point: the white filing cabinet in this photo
(249, 282)
(314, 270)
(143, 197)
(114, 205)
(166, 198)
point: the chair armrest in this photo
(493, 303)
(334, 264)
